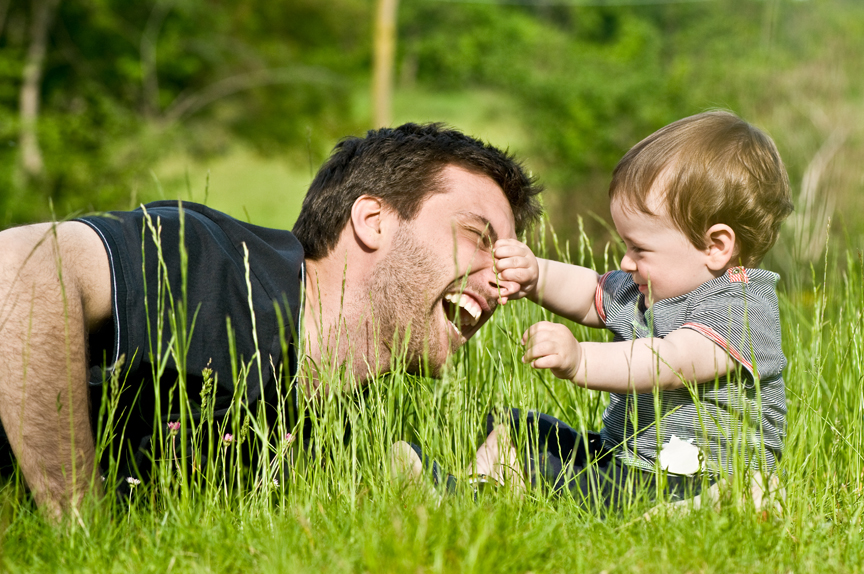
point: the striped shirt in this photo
(734, 415)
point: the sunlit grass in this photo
(335, 507)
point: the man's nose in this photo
(489, 276)
(488, 279)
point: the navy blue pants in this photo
(560, 459)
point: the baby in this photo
(695, 369)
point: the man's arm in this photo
(627, 366)
(55, 286)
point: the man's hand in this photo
(516, 268)
(552, 346)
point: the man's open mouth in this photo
(463, 312)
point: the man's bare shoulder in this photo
(32, 253)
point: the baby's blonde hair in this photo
(716, 168)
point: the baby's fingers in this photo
(512, 263)
(552, 346)
(547, 362)
(509, 247)
(536, 350)
(520, 276)
(538, 329)
(507, 290)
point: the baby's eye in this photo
(631, 249)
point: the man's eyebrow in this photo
(486, 227)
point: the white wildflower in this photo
(680, 456)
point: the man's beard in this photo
(402, 300)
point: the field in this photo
(348, 515)
(337, 509)
(236, 105)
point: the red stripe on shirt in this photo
(715, 336)
(598, 296)
(737, 275)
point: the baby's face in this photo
(660, 258)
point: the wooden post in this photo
(384, 59)
(31, 154)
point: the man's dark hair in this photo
(401, 166)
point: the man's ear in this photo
(369, 220)
(721, 247)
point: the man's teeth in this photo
(466, 303)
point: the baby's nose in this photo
(627, 264)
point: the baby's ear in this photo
(722, 248)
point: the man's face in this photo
(437, 279)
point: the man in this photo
(393, 241)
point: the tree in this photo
(31, 154)
(385, 58)
(114, 85)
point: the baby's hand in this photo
(517, 269)
(552, 346)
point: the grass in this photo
(337, 510)
(495, 537)
(347, 516)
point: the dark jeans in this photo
(562, 460)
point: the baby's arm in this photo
(626, 366)
(566, 290)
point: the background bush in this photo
(128, 84)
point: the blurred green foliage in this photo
(127, 83)
(591, 81)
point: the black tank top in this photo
(217, 313)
